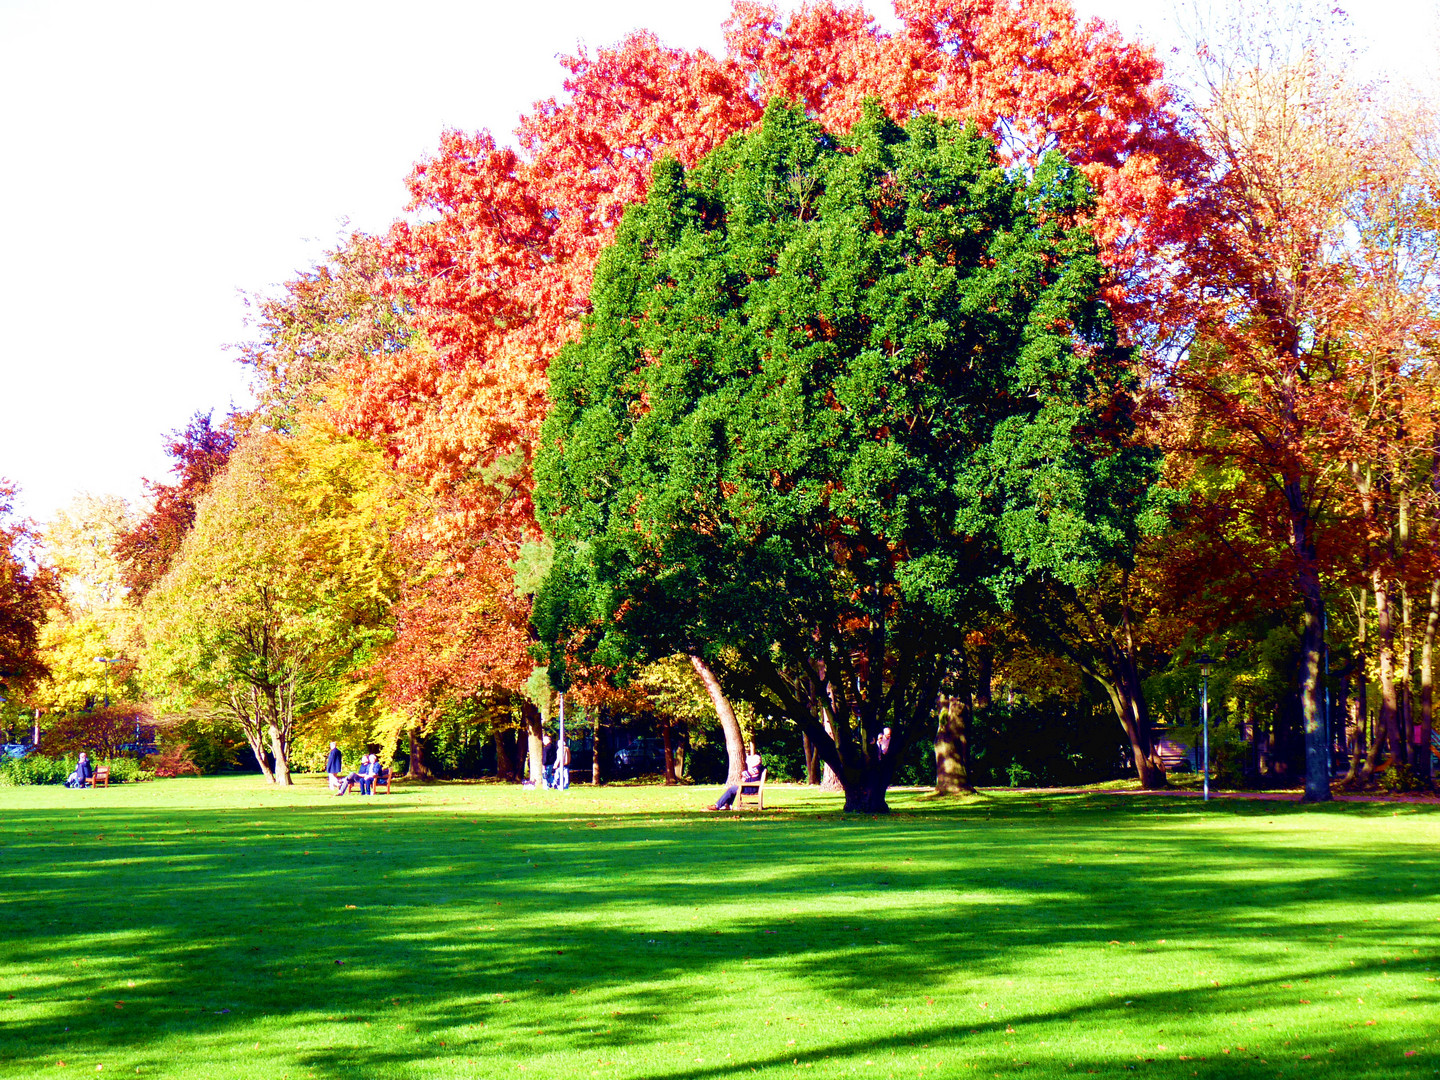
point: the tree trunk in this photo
(505, 768)
(277, 706)
(1406, 700)
(734, 742)
(249, 724)
(1360, 705)
(865, 791)
(597, 744)
(984, 676)
(1389, 720)
(1427, 683)
(252, 736)
(812, 760)
(279, 751)
(665, 738)
(1312, 642)
(530, 717)
(829, 778)
(417, 768)
(1341, 707)
(952, 747)
(1133, 720)
(1312, 716)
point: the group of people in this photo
(340, 784)
(555, 765)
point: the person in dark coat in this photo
(82, 774)
(334, 766)
(548, 753)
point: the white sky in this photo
(157, 158)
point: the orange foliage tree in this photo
(495, 270)
(27, 592)
(1314, 289)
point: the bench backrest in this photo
(102, 773)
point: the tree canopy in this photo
(282, 588)
(836, 396)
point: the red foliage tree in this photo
(199, 451)
(27, 592)
(496, 269)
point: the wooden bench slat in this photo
(757, 794)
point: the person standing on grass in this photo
(754, 769)
(334, 766)
(547, 759)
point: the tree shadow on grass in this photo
(620, 932)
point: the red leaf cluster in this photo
(27, 592)
(199, 451)
(496, 265)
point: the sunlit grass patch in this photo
(478, 930)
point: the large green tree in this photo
(836, 396)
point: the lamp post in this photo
(107, 660)
(1205, 663)
(560, 771)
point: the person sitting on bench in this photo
(81, 776)
(369, 770)
(364, 778)
(754, 769)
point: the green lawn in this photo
(219, 928)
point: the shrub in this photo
(214, 739)
(1399, 778)
(175, 760)
(37, 769)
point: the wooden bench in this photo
(100, 778)
(382, 777)
(752, 789)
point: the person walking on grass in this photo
(754, 769)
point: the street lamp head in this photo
(1206, 662)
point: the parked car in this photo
(15, 749)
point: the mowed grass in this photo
(220, 928)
